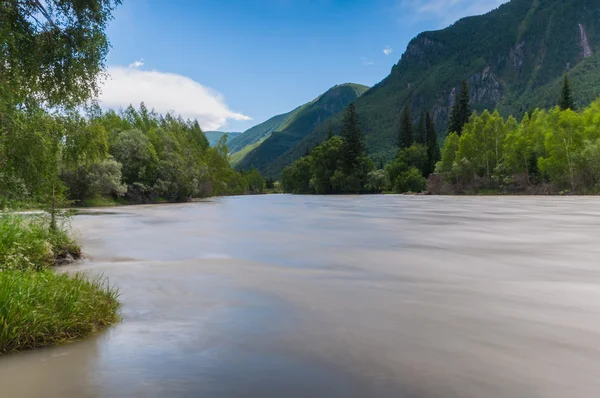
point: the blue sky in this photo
(235, 63)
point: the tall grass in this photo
(43, 308)
(39, 307)
(27, 242)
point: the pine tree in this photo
(405, 134)
(329, 130)
(421, 134)
(460, 111)
(353, 138)
(566, 96)
(433, 149)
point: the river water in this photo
(366, 296)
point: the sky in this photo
(232, 64)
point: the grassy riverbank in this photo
(39, 307)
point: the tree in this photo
(460, 111)
(53, 50)
(444, 166)
(405, 134)
(566, 97)
(329, 130)
(353, 139)
(433, 149)
(421, 133)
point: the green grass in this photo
(26, 242)
(43, 308)
(39, 307)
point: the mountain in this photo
(271, 140)
(514, 59)
(256, 133)
(214, 136)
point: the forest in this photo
(135, 156)
(553, 151)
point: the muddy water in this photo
(381, 296)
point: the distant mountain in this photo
(214, 136)
(256, 133)
(514, 59)
(283, 132)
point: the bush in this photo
(410, 181)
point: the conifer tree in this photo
(353, 138)
(566, 96)
(460, 111)
(421, 134)
(329, 130)
(433, 150)
(405, 134)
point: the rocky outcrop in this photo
(485, 87)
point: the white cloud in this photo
(137, 64)
(446, 11)
(388, 50)
(166, 92)
(367, 62)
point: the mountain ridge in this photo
(275, 139)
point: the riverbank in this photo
(40, 307)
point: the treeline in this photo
(136, 156)
(340, 164)
(547, 152)
(555, 151)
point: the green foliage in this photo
(566, 96)
(513, 59)
(98, 180)
(400, 173)
(410, 180)
(338, 165)
(256, 184)
(433, 149)
(405, 134)
(460, 113)
(53, 51)
(560, 147)
(296, 177)
(213, 137)
(421, 132)
(445, 165)
(271, 155)
(353, 139)
(30, 243)
(326, 159)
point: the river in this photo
(357, 296)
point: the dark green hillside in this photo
(297, 125)
(256, 133)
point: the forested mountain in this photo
(256, 133)
(513, 58)
(293, 127)
(214, 136)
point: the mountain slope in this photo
(514, 59)
(297, 125)
(214, 136)
(256, 133)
